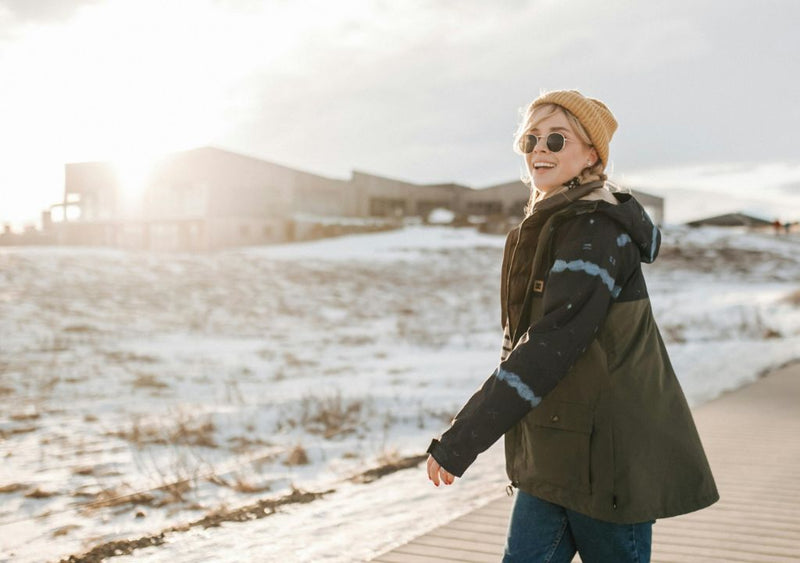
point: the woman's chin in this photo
(544, 186)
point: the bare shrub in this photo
(674, 333)
(129, 357)
(186, 431)
(79, 328)
(297, 456)
(792, 298)
(5, 434)
(389, 456)
(174, 492)
(12, 488)
(195, 432)
(330, 416)
(20, 416)
(243, 444)
(242, 484)
(64, 530)
(118, 496)
(148, 380)
(40, 493)
(296, 362)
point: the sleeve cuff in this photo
(446, 459)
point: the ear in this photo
(593, 156)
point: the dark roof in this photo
(731, 220)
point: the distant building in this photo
(732, 220)
(209, 198)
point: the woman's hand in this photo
(435, 471)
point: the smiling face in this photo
(548, 169)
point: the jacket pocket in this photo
(561, 444)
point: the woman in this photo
(599, 438)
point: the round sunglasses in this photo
(555, 142)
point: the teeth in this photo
(544, 165)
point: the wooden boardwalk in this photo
(752, 438)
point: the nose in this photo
(540, 146)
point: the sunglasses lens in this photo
(555, 142)
(527, 142)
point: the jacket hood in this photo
(630, 214)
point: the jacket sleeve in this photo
(590, 262)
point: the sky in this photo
(704, 91)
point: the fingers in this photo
(433, 470)
(437, 473)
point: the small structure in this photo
(738, 219)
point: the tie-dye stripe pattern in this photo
(590, 268)
(653, 244)
(518, 385)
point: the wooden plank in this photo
(463, 555)
(466, 544)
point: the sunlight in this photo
(133, 174)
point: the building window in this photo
(484, 207)
(387, 207)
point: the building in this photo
(209, 198)
(732, 220)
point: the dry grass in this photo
(40, 493)
(330, 416)
(64, 530)
(242, 484)
(243, 444)
(22, 416)
(148, 380)
(119, 497)
(6, 433)
(116, 356)
(792, 298)
(12, 488)
(79, 328)
(297, 456)
(185, 431)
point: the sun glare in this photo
(133, 174)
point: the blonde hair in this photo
(532, 117)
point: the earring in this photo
(589, 163)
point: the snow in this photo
(124, 372)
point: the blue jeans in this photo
(543, 532)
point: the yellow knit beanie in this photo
(593, 114)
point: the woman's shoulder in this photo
(593, 230)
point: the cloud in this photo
(426, 91)
(23, 11)
(791, 188)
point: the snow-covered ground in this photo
(144, 390)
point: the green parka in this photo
(593, 415)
